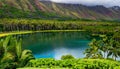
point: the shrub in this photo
(74, 63)
(118, 67)
(67, 57)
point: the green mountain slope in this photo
(50, 10)
(23, 9)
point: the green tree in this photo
(114, 51)
(94, 50)
(105, 47)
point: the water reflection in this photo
(56, 44)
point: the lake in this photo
(56, 44)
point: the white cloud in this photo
(91, 2)
(77, 53)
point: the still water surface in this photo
(56, 44)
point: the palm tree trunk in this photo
(104, 55)
(115, 58)
(107, 54)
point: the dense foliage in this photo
(67, 57)
(105, 47)
(35, 24)
(12, 55)
(74, 63)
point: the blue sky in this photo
(106, 3)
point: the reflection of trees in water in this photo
(55, 36)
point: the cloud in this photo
(106, 3)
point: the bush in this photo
(118, 67)
(74, 63)
(67, 57)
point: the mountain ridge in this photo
(48, 9)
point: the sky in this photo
(107, 3)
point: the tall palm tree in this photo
(12, 53)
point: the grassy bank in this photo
(14, 33)
(56, 68)
(27, 32)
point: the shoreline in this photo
(27, 32)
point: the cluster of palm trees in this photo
(8, 25)
(12, 55)
(104, 47)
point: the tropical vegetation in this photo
(12, 55)
(101, 54)
(34, 15)
(99, 27)
(104, 47)
(73, 64)
(64, 57)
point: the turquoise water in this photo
(56, 44)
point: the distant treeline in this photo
(8, 25)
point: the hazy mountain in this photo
(47, 9)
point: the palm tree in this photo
(108, 45)
(12, 53)
(94, 50)
(104, 45)
(114, 51)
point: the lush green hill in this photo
(47, 9)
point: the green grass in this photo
(41, 68)
(27, 32)
(14, 33)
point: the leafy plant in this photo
(74, 63)
(107, 46)
(12, 55)
(67, 57)
(94, 50)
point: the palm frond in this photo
(19, 49)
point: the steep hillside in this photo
(24, 9)
(82, 11)
(47, 9)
